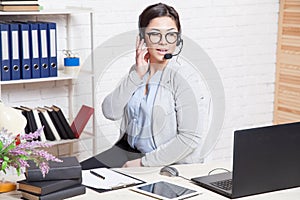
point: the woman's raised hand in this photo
(142, 57)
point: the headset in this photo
(168, 55)
(179, 42)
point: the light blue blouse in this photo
(139, 110)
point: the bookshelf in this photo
(68, 14)
(61, 76)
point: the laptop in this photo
(265, 159)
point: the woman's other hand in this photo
(142, 57)
(133, 163)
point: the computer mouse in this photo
(169, 171)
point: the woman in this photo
(157, 106)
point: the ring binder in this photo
(52, 49)
(24, 51)
(34, 50)
(4, 53)
(43, 49)
(14, 51)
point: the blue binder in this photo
(24, 51)
(34, 50)
(52, 48)
(14, 51)
(43, 49)
(4, 53)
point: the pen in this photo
(122, 186)
(96, 174)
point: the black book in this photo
(68, 169)
(46, 187)
(61, 194)
(59, 127)
(64, 122)
(47, 130)
(31, 125)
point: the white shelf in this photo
(83, 136)
(61, 76)
(67, 11)
(42, 12)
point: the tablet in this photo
(165, 190)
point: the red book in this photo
(81, 120)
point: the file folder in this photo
(52, 49)
(4, 53)
(34, 50)
(43, 49)
(14, 51)
(24, 51)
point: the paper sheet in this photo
(112, 179)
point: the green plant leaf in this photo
(1, 145)
(4, 165)
(8, 148)
(23, 157)
(11, 146)
(18, 171)
(5, 158)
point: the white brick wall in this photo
(239, 37)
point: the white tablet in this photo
(165, 190)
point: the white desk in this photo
(152, 174)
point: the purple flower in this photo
(32, 145)
(44, 154)
(23, 163)
(31, 136)
(16, 151)
(44, 167)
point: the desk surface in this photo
(150, 174)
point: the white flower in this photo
(5, 137)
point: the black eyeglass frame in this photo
(166, 38)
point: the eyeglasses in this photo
(155, 37)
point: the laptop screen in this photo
(266, 159)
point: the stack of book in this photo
(19, 5)
(63, 181)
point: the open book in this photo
(104, 178)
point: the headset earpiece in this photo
(179, 40)
(142, 33)
(141, 36)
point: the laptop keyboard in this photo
(224, 184)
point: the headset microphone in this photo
(169, 56)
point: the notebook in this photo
(107, 179)
(265, 159)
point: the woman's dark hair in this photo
(157, 10)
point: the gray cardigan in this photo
(177, 133)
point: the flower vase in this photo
(7, 186)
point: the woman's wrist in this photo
(141, 162)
